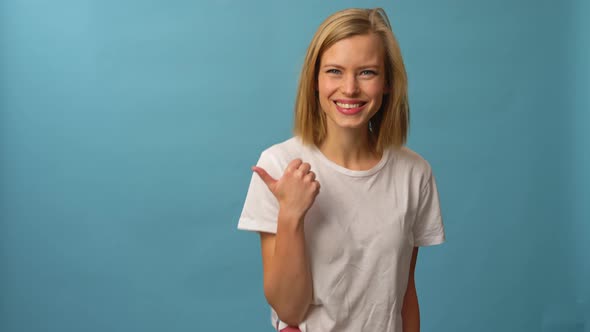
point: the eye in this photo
(333, 71)
(368, 73)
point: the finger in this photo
(304, 168)
(266, 178)
(293, 165)
(310, 176)
(317, 187)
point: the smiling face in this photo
(351, 82)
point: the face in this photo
(351, 82)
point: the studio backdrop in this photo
(128, 129)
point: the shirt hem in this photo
(430, 241)
(251, 225)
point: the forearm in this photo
(411, 309)
(288, 285)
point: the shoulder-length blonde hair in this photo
(389, 126)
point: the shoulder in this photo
(284, 150)
(411, 158)
(277, 156)
(412, 162)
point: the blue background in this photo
(128, 128)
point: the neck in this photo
(350, 149)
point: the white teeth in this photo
(348, 105)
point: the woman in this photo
(342, 258)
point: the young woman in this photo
(342, 258)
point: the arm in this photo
(410, 307)
(287, 275)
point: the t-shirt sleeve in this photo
(261, 208)
(428, 227)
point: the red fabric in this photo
(290, 329)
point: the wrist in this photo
(289, 217)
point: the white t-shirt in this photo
(359, 233)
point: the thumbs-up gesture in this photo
(296, 190)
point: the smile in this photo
(349, 107)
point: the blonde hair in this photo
(389, 126)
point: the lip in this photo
(350, 111)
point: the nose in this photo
(350, 85)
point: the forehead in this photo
(353, 51)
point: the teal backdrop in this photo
(128, 128)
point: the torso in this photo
(359, 238)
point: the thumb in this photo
(268, 180)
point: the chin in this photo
(351, 124)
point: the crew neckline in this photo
(320, 155)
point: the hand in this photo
(296, 190)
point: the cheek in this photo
(324, 102)
(326, 87)
(375, 90)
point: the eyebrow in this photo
(371, 66)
